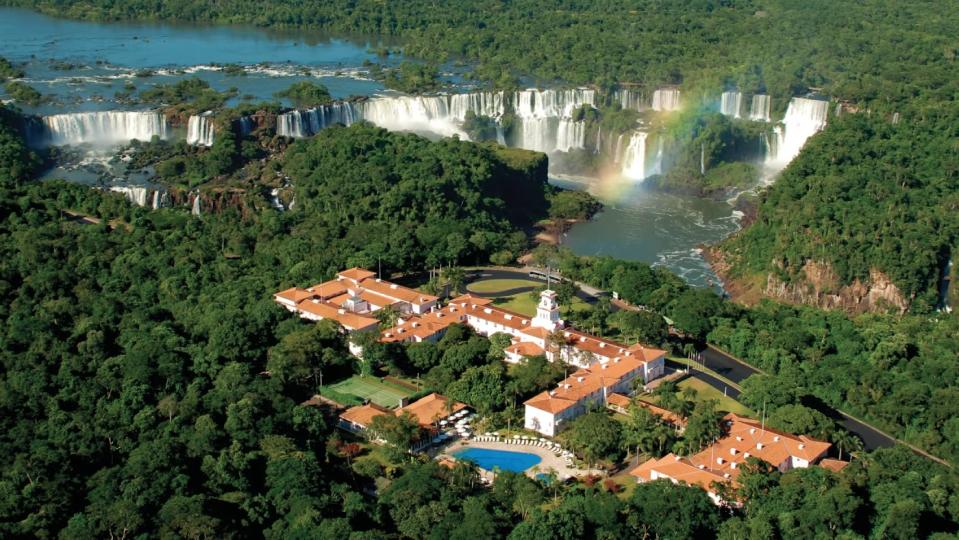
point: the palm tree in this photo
(454, 277)
(844, 440)
(555, 342)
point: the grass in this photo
(704, 392)
(373, 389)
(492, 286)
(525, 304)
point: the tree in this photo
(662, 509)
(801, 420)
(399, 431)
(481, 387)
(704, 425)
(641, 326)
(596, 436)
(845, 441)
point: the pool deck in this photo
(549, 460)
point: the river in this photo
(658, 228)
(83, 65)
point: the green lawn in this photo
(704, 392)
(371, 388)
(492, 286)
(524, 304)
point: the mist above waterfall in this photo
(103, 127)
(804, 118)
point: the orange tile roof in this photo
(618, 400)
(363, 415)
(328, 289)
(431, 408)
(350, 321)
(608, 348)
(681, 470)
(583, 383)
(722, 460)
(399, 292)
(481, 309)
(666, 414)
(294, 294)
(418, 326)
(356, 274)
(470, 299)
(833, 465)
(525, 348)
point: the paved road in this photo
(714, 360)
(737, 371)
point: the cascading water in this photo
(136, 195)
(429, 114)
(491, 104)
(545, 119)
(804, 118)
(631, 99)
(195, 210)
(666, 99)
(245, 125)
(570, 135)
(200, 130)
(103, 127)
(731, 104)
(759, 111)
(634, 158)
(309, 122)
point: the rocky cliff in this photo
(816, 284)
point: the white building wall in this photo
(542, 421)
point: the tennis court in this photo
(371, 388)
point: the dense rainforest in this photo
(864, 195)
(878, 58)
(870, 52)
(135, 398)
(138, 348)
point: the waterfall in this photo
(200, 130)
(570, 135)
(617, 153)
(275, 199)
(413, 113)
(657, 167)
(804, 118)
(136, 195)
(634, 159)
(196, 205)
(104, 127)
(245, 125)
(702, 159)
(630, 99)
(731, 104)
(544, 119)
(306, 123)
(760, 108)
(491, 104)
(551, 103)
(666, 99)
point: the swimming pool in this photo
(503, 460)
